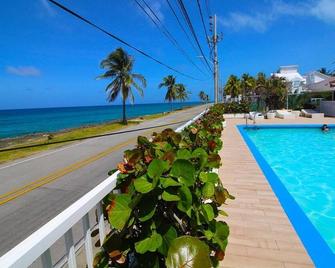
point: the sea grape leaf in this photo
(209, 177)
(168, 237)
(221, 234)
(208, 190)
(156, 168)
(151, 243)
(202, 155)
(185, 202)
(188, 251)
(142, 185)
(120, 211)
(184, 154)
(184, 171)
(208, 212)
(170, 196)
(167, 182)
(147, 208)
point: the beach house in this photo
(291, 74)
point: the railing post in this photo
(71, 254)
(46, 259)
(88, 241)
(101, 222)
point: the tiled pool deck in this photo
(261, 233)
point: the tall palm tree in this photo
(181, 93)
(119, 66)
(233, 86)
(202, 96)
(170, 83)
(247, 84)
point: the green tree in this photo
(170, 83)
(247, 85)
(272, 92)
(181, 93)
(202, 96)
(119, 67)
(233, 86)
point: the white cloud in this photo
(155, 5)
(23, 70)
(260, 21)
(324, 10)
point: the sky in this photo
(51, 59)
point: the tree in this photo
(247, 84)
(202, 96)
(181, 93)
(119, 67)
(170, 83)
(272, 91)
(233, 86)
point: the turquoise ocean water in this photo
(21, 122)
(303, 159)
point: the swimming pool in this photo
(299, 163)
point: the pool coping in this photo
(319, 251)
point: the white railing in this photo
(39, 243)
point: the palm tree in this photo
(181, 93)
(247, 84)
(202, 96)
(170, 83)
(119, 66)
(233, 86)
(326, 71)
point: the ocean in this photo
(20, 122)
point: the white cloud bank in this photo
(260, 21)
(23, 70)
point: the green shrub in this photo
(236, 107)
(165, 213)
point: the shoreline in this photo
(39, 142)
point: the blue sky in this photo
(50, 59)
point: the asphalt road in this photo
(36, 189)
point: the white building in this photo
(292, 75)
(318, 82)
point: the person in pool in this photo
(325, 128)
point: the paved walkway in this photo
(261, 233)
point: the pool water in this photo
(304, 161)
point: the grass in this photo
(62, 136)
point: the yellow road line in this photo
(5, 198)
(53, 176)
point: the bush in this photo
(165, 213)
(236, 107)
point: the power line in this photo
(183, 29)
(180, 24)
(203, 22)
(158, 23)
(190, 25)
(119, 39)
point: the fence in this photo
(39, 243)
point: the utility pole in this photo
(215, 40)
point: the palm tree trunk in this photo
(124, 119)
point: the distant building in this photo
(318, 82)
(293, 77)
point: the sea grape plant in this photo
(164, 214)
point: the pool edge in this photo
(319, 251)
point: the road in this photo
(36, 189)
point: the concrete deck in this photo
(261, 233)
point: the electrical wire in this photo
(161, 27)
(203, 22)
(119, 39)
(190, 25)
